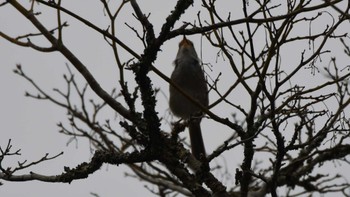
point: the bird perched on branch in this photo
(188, 76)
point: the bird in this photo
(188, 75)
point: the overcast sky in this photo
(32, 124)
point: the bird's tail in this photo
(197, 144)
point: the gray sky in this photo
(31, 124)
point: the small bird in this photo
(188, 75)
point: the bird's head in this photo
(185, 43)
(186, 50)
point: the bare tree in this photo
(264, 51)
